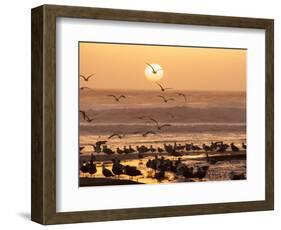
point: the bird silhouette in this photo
(154, 71)
(202, 171)
(84, 168)
(99, 143)
(117, 98)
(117, 168)
(92, 169)
(147, 133)
(107, 150)
(119, 151)
(161, 87)
(234, 148)
(159, 127)
(116, 135)
(88, 119)
(182, 95)
(97, 146)
(86, 78)
(85, 116)
(141, 117)
(106, 172)
(159, 175)
(83, 88)
(131, 171)
(166, 99)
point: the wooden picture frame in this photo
(43, 208)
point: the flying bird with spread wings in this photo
(85, 116)
(86, 78)
(80, 149)
(89, 119)
(154, 71)
(147, 133)
(116, 135)
(83, 88)
(163, 89)
(166, 99)
(158, 126)
(117, 98)
(182, 95)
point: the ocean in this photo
(202, 117)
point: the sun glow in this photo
(154, 72)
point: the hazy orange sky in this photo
(122, 66)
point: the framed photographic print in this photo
(140, 114)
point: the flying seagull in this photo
(86, 78)
(159, 127)
(117, 98)
(182, 95)
(154, 71)
(80, 149)
(85, 116)
(161, 87)
(147, 133)
(166, 99)
(83, 88)
(89, 119)
(116, 135)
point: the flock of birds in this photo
(159, 165)
(176, 150)
(158, 168)
(117, 98)
(120, 135)
(117, 169)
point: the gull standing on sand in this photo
(106, 172)
(97, 146)
(234, 148)
(92, 168)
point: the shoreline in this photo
(196, 156)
